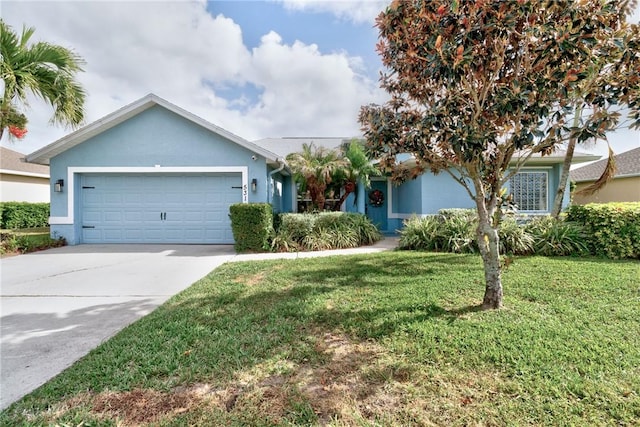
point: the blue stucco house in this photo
(152, 172)
(533, 188)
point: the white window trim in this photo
(533, 169)
(74, 170)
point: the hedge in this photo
(612, 229)
(14, 215)
(252, 226)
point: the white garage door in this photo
(155, 208)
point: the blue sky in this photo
(256, 68)
(329, 32)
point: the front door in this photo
(376, 208)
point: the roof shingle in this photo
(627, 164)
(14, 162)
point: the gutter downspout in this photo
(282, 164)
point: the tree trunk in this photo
(489, 249)
(564, 178)
(349, 187)
(566, 167)
(489, 244)
(317, 197)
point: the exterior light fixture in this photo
(254, 184)
(57, 187)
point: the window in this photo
(529, 190)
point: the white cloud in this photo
(182, 53)
(307, 92)
(355, 11)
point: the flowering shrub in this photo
(17, 132)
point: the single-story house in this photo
(533, 188)
(624, 187)
(152, 172)
(21, 181)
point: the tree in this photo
(478, 87)
(612, 62)
(313, 168)
(359, 169)
(43, 69)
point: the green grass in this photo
(386, 339)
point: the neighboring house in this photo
(152, 172)
(624, 187)
(21, 181)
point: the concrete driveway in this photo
(57, 305)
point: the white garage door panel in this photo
(130, 208)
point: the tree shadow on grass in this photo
(221, 331)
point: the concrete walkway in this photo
(59, 304)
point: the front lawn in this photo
(386, 339)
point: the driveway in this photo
(57, 305)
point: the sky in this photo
(255, 68)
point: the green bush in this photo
(454, 230)
(252, 226)
(514, 238)
(556, 237)
(420, 233)
(322, 231)
(15, 215)
(612, 229)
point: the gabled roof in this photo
(13, 163)
(43, 155)
(627, 165)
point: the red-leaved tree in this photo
(477, 87)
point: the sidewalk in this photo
(387, 243)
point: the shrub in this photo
(454, 230)
(514, 238)
(556, 237)
(16, 215)
(23, 242)
(612, 229)
(322, 231)
(420, 233)
(252, 226)
(457, 232)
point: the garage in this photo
(158, 208)
(152, 172)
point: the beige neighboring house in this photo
(21, 181)
(624, 187)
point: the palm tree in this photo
(314, 169)
(43, 69)
(360, 169)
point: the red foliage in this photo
(17, 132)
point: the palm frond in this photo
(43, 69)
(607, 175)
